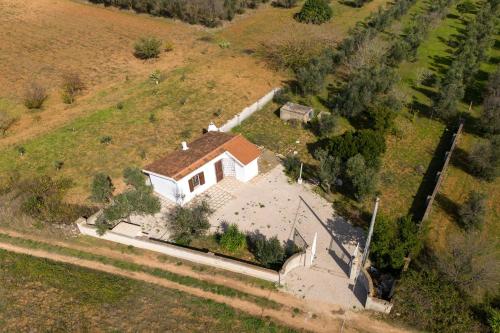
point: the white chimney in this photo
(212, 127)
(184, 145)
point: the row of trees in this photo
(207, 12)
(490, 118)
(311, 75)
(469, 55)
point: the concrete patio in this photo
(272, 205)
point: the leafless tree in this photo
(470, 263)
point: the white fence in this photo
(209, 259)
(248, 111)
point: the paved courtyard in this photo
(272, 205)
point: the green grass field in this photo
(43, 295)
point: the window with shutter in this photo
(202, 178)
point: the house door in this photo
(219, 172)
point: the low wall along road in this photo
(209, 259)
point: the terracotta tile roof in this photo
(180, 163)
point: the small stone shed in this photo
(296, 111)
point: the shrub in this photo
(42, 199)
(284, 3)
(393, 240)
(106, 139)
(187, 222)
(425, 300)
(314, 11)
(282, 96)
(291, 53)
(168, 46)
(483, 159)
(363, 180)
(326, 124)
(6, 122)
(34, 96)
(102, 188)
(328, 170)
(311, 76)
(473, 211)
(269, 252)
(369, 143)
(58, 164)
(292, 166)
(232, 239)
(147, 48)
(71, 86)
(134, 177)
(490, 118)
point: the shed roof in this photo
(180, 163)
(297, 108)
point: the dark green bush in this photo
(147, 48)
(314, 11)
(362, 180)
(369, 143)
(269, 252)
(188, 222)
(232, 239)
(134, 177)
(292, 166)
(102, 188)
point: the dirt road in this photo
(327, 317)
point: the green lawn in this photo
(42, 295)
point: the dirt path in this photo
(327, 315)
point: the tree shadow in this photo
(441, 63)
(460, 159)
(449, 206)
(421, 108)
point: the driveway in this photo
(272, 205)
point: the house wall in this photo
(247, 172)
(164, 186)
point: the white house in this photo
(185, 173)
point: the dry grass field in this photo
(202, 81)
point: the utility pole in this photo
(370, 233)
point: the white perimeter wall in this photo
(183, 253)
(248, 111)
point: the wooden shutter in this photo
(191, 185)
(202, 178)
